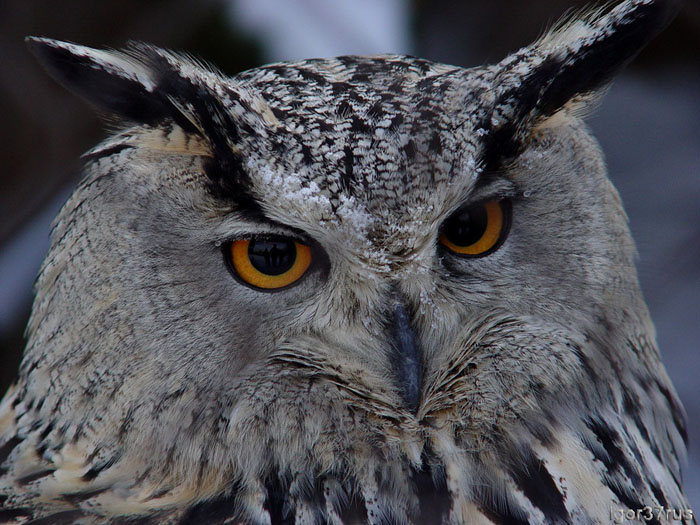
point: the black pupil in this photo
(466, 228)
(272, 256)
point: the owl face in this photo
(313, 229)
(372, 279)
(326, 216)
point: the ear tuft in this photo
(591, 50)
(114, 82)
(571, 64)
(126, 84)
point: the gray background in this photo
(648, 125)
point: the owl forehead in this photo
(390, 100)
(383, 136)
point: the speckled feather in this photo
(156, 388)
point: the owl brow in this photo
(499, 145)
(491, 185)
(208, 117)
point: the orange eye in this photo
(478, 230)
(269, 263)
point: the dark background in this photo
(648, 126)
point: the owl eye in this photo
(478, 230)
(269, 263)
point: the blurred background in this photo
(648, 125)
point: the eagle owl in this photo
(355, 290)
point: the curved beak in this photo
(409, 358)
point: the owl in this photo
(355, 290)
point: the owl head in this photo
(373, 288)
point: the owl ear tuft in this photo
(124, 84)
(147, 85)
(572, 62)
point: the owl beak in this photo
(409, 362)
